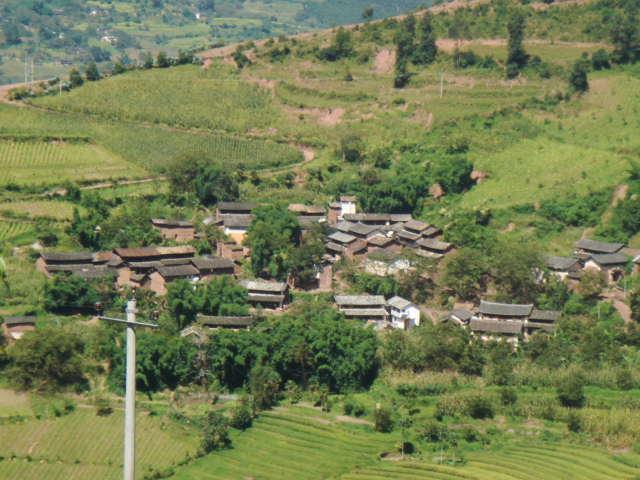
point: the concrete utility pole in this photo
(130, 396)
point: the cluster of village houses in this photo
(364, 237)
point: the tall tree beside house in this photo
(306, 258)
(578, 77)
(91, 72)
(426, 50)
(68, 293)
(517, 58)
(184, 302)
(223, 296)
(272, 235)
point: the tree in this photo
(517, 58)
(215, 433)
(342, 46)
(571, 391)
(75, 78)
(223, 296)
(426, 50)
(600, 60)
(183, 302)
(91, 72)
(465, 273)
(11, 34)
(147, 61)
(66, 293)
(591, 284)
(208, 180)
(4, 275)
(306, 258)
(625, 36)
(241, 417)
(273, 233)
(578, 80)
(264, 384)
(367, 14)
(382, 420)
(453, 174)
(404, 50)
(351, 148)
(163, 60)
(47, 359)
(514, 267)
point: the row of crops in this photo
(13, 230)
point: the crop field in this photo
(57, 210)
(83, 445)
(531, 462)
(46, 162)
(285, 444)
(14, 231)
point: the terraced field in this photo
(57, 210)
(286, 444)
(533, 462)
(40, 162)
(82, 445)
(13, 230)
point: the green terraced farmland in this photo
(282, 445)
(57, 210)
(53, 162)
(532, 462)
(13, 230)
(83, 445)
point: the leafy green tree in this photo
(625, 36)
(4, 275)
(241, 417)
(147, 61)
(382, 419)
(47, 359)
(91, 72)
(600, 60)
(351, 148)
(465, 273)
(513, 269)
(404, 40)
(183, 302)
(223, 296)
(571, 392)
(426, 50)
(208, 181)
(264, 384)
(591, 285)
(215, 433)
(64, 293)
(578, 80)
(341, 47)
(305, 259)
(75, 78)
(11, 34)
(517, 58)
(453, 174)
(367, 14)
(273, 233)
(163, 60)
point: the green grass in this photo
(82, 444)
(14, 231)
(57, 210)
(41, 162)
(291, 443)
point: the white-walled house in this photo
(404, 315)
(612, 264)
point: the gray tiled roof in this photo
(610, 258)
(162, 222)
(364, 312)
(505, 309)
(598, 247)
(340, 237)
(71, 257)
(236, 206)
(544, 315)
(224, 321)
(237, 221)
(212, 263)
(360, 300)
(563, 264)
(433, 244)
(399, 302)
(263, 286)
(508, 327)
(178, 271)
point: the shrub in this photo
(624, 379)
(571, 392)
(215, 434)
(508, 396)
(353, 407)
(241, 417)
(292, 391)
(434, 432)
(264, 384)
(480, 406)
(574, 422)
(382, 421)
(103, 407)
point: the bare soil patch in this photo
(384, 62)
(353, 420)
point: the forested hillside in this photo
(62, 32)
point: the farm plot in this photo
(13, 230)
(83, 445)
(282, 444)
(56, 210)
(533, 462)
(40, 162)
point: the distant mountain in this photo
(56, 33)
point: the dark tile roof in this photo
(334, 247)
(364, 312)
(361, 229)
(348, 198)
(154, 252)
(263, 286)
(94, 273)
(562, 264)
(547, 327)
(416, 225)
(306, 209)
(265, 298)
(462, 314)
(67, 257)
(170, 262)
(237, 221)
(607, 259)
(66, 267)
(19, 320)
(409, 236)
(341, 237)
(544, 315)
(508, 327)
(178, 271)
(225, 321)
(360, 300)
(399, 303)
(505, 309)
(212, 263)
(236, 206)
(380, 241)
(378, 217)
(431, 231)
(433, 245)
(598, 247)
(164, 223)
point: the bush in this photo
(241, 417)
(434, 432)
(103, 407)
(624, 379)
(353, 407)
(600, 60)
(264, 383)
(382, 421)
(571, 392)
(574, 422)
(215, 434)
(508, 396)
(480, 406)
(351, 148)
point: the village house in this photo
(236, 227)
(459, 316)
(561, 267)
(382, 243)
(500, 321)
(344, 244)
(308, 214)
(209, 267)
(225, 322)
(14, 327)
(404, 314)
(584, 248)
(266, 294)
(540, 321)
(157, 280)
(135, 264)
(613, 265)
(378, 219)
(232, 251)
(55, 262)
(176, 230)
(432, 248)
(337, 210)
(368, 308)
(233, 208)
